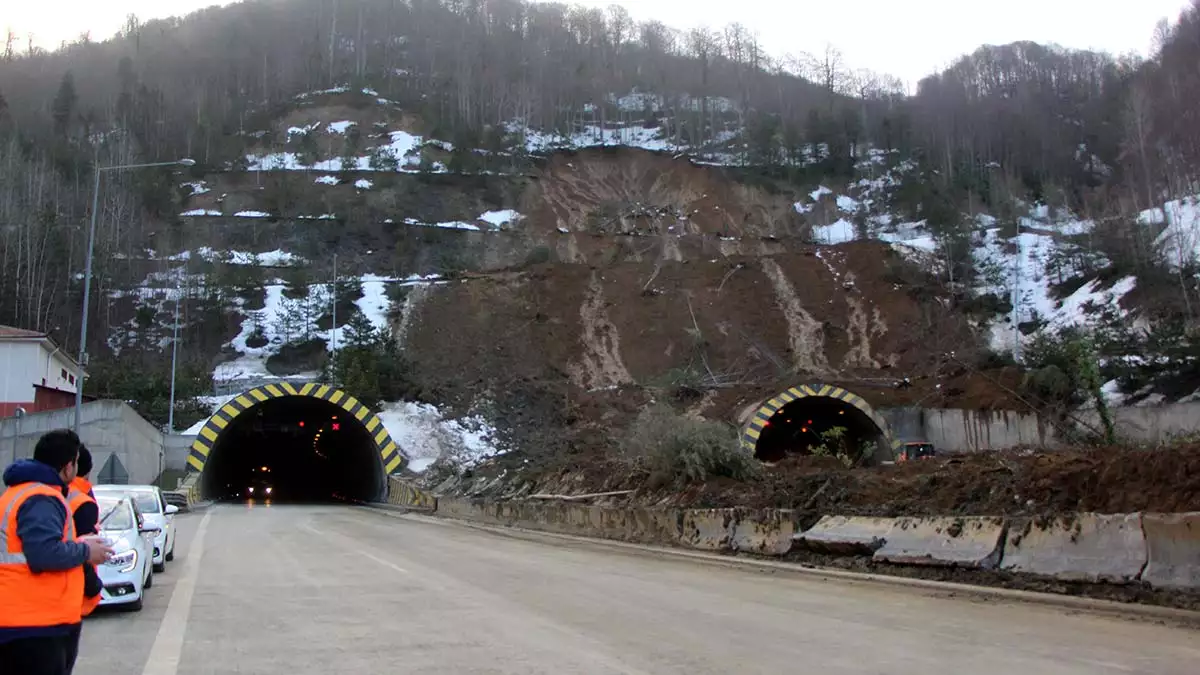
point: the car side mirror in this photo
(172, 509)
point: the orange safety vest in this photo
(79, 495)
(29, 600)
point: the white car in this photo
(127, 575)
(157, 512)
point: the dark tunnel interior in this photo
(806, 423)
(295, 448)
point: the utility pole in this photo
(1016, 300)
(333, 329)
(174, 360)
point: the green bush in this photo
(683, 450)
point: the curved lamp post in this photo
(87, 273)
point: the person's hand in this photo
(98, 550)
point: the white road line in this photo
(358, 550)
(383, 562)
(168, 644)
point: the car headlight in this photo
(125, 561)
(268, 490)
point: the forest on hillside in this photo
(1104, 135)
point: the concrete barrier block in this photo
(1172, 549)
(1078, 547)
(655, 526)
(967, 541)
(846, 535)
(707, 529)
(763, 531)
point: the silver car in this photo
(157, 513)
(127, 575)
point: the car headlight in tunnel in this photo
(125, 561)
(268, 490)
(251, 490)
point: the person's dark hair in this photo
(84, 465)
(57, 448)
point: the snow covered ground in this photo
(1179, 243)
(425, 437)
(283, 320)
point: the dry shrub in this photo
(679, 449)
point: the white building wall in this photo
(21, 367)
(53, 365)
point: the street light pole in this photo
(87, 273)
(174, 359)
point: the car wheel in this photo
(149, 580)
(170, 553)
(160, 567)
(136, 605)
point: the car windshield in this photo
(114, 514)
(147, 501)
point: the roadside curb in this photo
(1096, 606)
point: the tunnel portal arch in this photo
(754, 428)
(389, 455)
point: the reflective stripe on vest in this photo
(28, 599)
(7, 558)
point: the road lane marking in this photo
(168, 644)
(358, 550)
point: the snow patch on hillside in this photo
(200, 212)
(501, 218)
(425, 436)
(327, 180)
(341, 127)
(283, 320)
(1179, 243)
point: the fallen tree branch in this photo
(576, 498)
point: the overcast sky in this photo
(909, 38)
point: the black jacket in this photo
(86, 519)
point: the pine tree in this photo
(64, 104)
(360, 332)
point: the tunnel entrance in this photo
(818, 418)
(283, 443)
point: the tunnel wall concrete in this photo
(106, 427)
(176, 448)
(958, 430)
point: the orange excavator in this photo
(915, 450)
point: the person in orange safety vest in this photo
(86, 515)
(42, 560)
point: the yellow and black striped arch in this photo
(755, 426)
(389, 454)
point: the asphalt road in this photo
(288, 590)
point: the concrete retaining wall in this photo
(1078, 547)
(765, 531)
(108, 428)
(404, 493)
(1162, 550)
(972, 542)
(1172, 550)
(958, 430)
